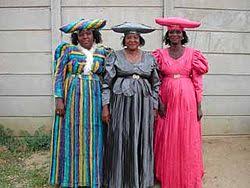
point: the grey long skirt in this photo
(128, 157)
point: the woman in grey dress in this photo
(130, 100)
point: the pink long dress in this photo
(178, 144)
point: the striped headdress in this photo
(83, 24)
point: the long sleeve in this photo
(60, 75)
(200, 67)
(59, 51)
(155, 81)
(107, 52)
(198, 86)
(109, 75)
(158, 57)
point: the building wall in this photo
(224, 38)
(25, 64)
(29, 34)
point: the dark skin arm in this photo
(199, 111)
(155, 112)
(105, 114)
(60, 110)
(162, 109)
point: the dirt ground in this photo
(227, 162)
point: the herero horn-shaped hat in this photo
(130, 27)
(177, 23)
(83, 24)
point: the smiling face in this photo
(132, 41)
(175, 36)
(86, 39)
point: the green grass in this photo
(15, 173)
(24, 161)
(38, 177)
(11, 172)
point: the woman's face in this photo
(132, 41)
(175, 36)
(86, 39)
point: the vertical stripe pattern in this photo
(77, 147)
(77, 137)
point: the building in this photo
(29, 34)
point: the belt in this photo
(177, 76)
(84, 76)
(78, 75)
(133, 76)
(136, 76)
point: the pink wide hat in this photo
(177, 23)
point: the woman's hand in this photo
(199, 112)
(60, 110)
(105, 114)
(155, 113)
(162, 109)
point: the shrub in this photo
(8, 139)
(39, 141)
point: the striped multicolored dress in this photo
(77, 137)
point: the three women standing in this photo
(130, 99)
(130, 95)
(77, 138)
(177, 145)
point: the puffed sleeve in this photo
(155, 84)
(199, 67)
(159, 59)
(59, 51)
(108, 78)
(60, 73)
(158, 56)
(107, 52)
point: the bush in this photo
(39, 141)
(7, 139)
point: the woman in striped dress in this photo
(77, 137)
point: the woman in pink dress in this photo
(178, 144)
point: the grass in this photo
(24, 162)
(16, 171)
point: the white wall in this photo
(29, 34)
(25, 64)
